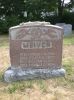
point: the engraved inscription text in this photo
(36, 44)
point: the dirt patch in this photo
(68, 52)
(68, 59)
(4, 58)
(58, 93)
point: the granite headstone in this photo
(66, 27)
(35, 51)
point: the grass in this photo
(69, 40)
(51, 89)
(4, 41)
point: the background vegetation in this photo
(13, 12)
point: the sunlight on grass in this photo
(4, 41)
(69, 40)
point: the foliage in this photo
(68, 17)
(7, 23)
(12, 12)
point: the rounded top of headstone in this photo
(35, 23)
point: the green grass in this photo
(69, 40)
(4, 41)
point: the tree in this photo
(12, 11)
(60, 9)
(32, 7)
(62, 6)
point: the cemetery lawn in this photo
(50, 89)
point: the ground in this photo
(51, 89)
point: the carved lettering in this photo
(36, 44)
(36, 59)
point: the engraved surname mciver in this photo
(36, 44)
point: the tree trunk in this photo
(60, 9)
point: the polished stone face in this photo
(36, 46)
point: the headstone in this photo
(35, 51)
(67, 28)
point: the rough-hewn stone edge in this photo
(18, 74)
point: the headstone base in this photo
(15, 74)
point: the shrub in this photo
(7, 23)
(68, 17)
